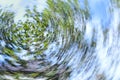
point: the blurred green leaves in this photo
(117, 3)
(41, 29)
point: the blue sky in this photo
(100, 10)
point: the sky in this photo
(18, 6)
(100, 10)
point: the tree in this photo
(34, 36)
(116, 2)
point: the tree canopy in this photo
(32, 37)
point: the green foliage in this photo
(41, 29)
(117, 3)
(6, 18)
